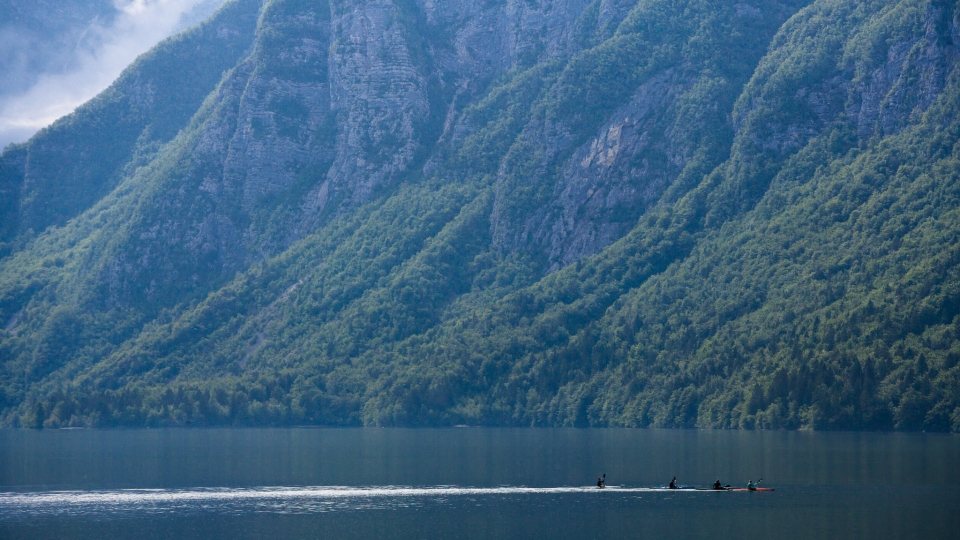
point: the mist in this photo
(104, 47)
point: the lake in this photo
(474, 483)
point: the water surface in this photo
(473, 483)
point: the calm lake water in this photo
(473, 483)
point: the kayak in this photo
(663, 489)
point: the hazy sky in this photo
(85, 71)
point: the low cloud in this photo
(138, 26)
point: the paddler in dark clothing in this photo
(751, 486)
(601, 482)
(717, 484)
(673, 483)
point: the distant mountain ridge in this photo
(54, 53)
(557, 212)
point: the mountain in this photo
(548, 212)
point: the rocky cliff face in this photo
(608, 182)
(595, 184)
(334, 102)
(887, 95)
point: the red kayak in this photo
(746, 489)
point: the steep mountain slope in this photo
(531, 213)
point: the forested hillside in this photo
(548, 212)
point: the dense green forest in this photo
(688, 214)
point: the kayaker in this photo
(751, 486)
(673, 483)
(601, 482)
(717, 484)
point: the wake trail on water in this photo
(276, 499)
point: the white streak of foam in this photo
(136, 497)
